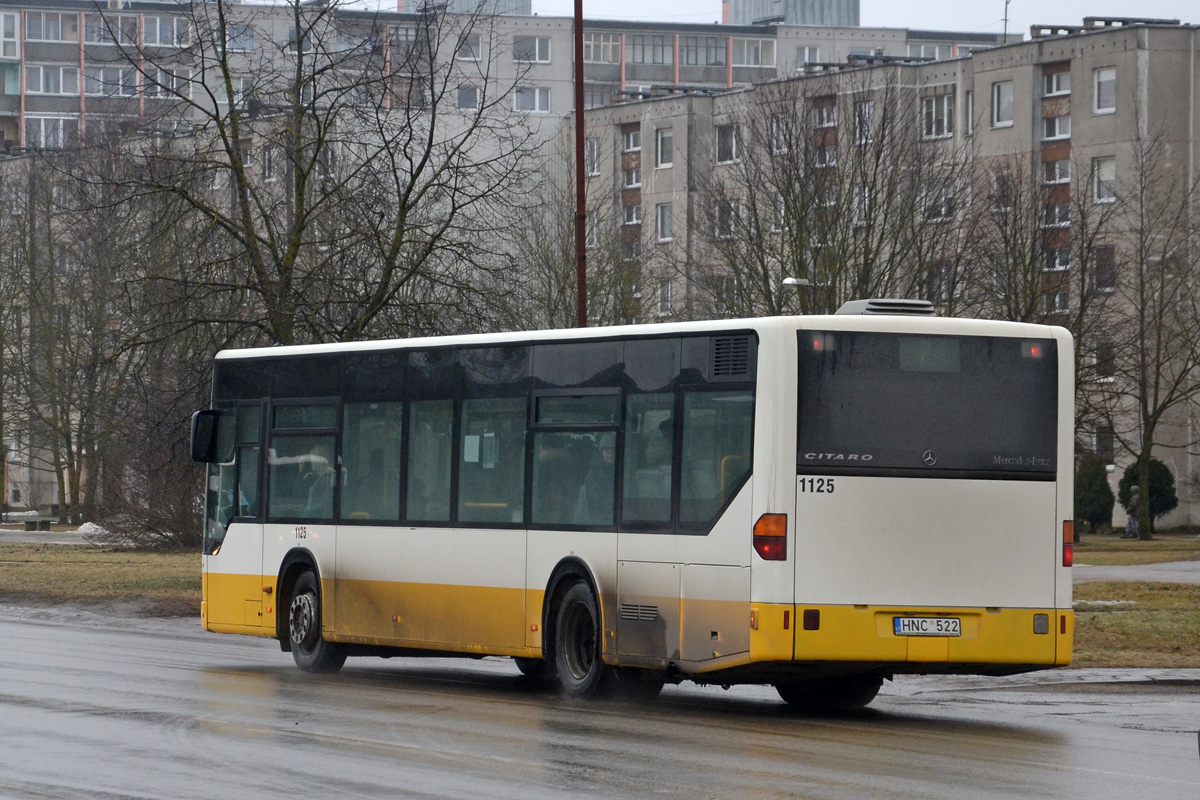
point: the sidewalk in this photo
(1166, 572)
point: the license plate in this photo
(927, 626)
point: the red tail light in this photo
(770, 537)
(1068, 542)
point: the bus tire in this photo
(581, 670)
(309, 649)
(828, 694)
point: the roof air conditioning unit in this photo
(912, 308)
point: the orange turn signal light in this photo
(1068, 542)
(770, 537)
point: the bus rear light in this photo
(770, 537)
(812, 619)
(1068, 542)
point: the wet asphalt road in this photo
(95, 706)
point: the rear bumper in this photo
(807, 633)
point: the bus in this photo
(818, 503)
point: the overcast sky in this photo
(958, 15)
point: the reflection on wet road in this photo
(92, 706)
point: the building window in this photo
(1002, 104)
(662, 213)
(725, 222)
(1057, 128)
(825, 115)
(8, 36)
(1105, 90)
(825, 156)
(51, 80)
(664, 298)
(631, 140)
(779, 134)
(703, 51)
(864, 122)
(649, 49)
(601, 48)
(1056, 83)
(633, 215)
(970, 113)
(632, 178)
(239, 38)
(664, 155)
(753, 52)
(1104, 361)
(110, 81)
(1058, 302)
(51, 26)
(1058, 215)
(591, 236)
(531, 49)
(595, 94)
(591, 156)
(1105, 270)
(1058, 171)
(860, 205)
(937, 116)
(937, 200)
(1058, 259)
(1104, 180)
(166, 31)
(51, 133)
(111, 29)
(727, 143)
(808, 54)
(469, 47)
(532, 98)
(468, 98)
(298, 40)
(1105, 442)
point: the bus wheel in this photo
(826, 694)
(312, 653)
(582, 672)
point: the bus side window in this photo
(430, 444)
(649, 469)
(717, 428)
(371, 461)
(491, 485)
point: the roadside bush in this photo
(1094, 498)
(1163, 498)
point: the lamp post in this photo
(580, 193)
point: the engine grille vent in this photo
(638, 613)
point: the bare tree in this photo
(1155, 376)
(860, 209)
(342, 176)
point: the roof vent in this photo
(912, 308)
(731, 356)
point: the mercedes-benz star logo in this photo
(929, 458)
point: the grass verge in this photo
(1108, 550)
(151, 584)
(1126, 624)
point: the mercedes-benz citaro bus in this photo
(813, 502)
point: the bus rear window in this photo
(941, 406)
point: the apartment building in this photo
(63, 63)
(1068, 118)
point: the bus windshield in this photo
(935, 406)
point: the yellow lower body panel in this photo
(987, 636)
(237, 603)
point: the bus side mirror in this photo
(204, 435)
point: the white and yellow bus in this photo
(817, 503)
